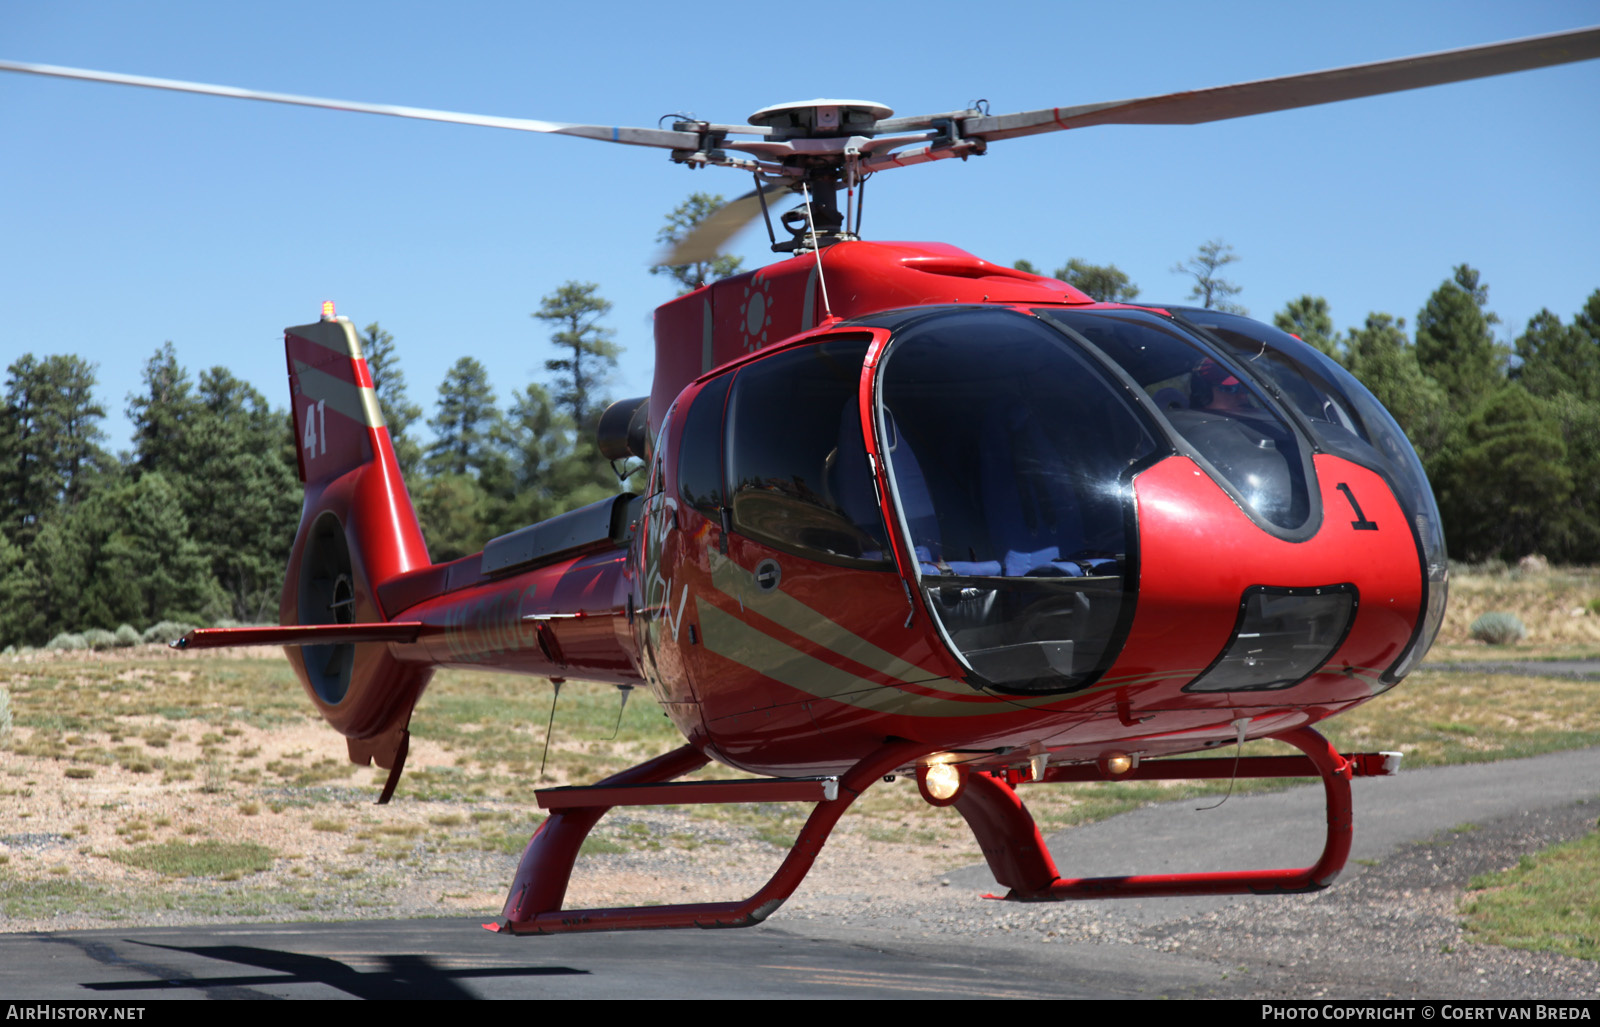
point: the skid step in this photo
(686, 793)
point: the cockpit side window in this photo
(700, 452)
(797, 472)
(658, 455)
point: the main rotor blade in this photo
(605, 133)
(1308, 90)
(707, 238)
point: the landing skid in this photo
(1005, 830)
(534, 905)
(1018, 858)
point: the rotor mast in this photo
(817, 147)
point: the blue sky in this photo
(132, 217)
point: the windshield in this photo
(1224, 415)
(1010, 454)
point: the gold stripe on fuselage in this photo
(734, 639)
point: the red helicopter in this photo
(907, 512)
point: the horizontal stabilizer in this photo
(300, 634)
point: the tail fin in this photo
(358, 529)
(343, 444)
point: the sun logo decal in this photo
(756, 313)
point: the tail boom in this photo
(365, 616)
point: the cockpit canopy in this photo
(1010, 442)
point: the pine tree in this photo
(1560, 366)
(389, 382)
(575, 310)
(1104, 282)
(455, 515)
(1557, 358)
(148, 567)
(1309, 319)
(226, 455)
(557, 467)
(241, 453)
(20, 619)
(469, 430)
(542, 440)
(1455, 344)
(1380, 355)
(1587, 320)
(58, 565)
(162, 414)
(50, 439)
(1503, 475)
(683, 220)
(1575, 531)
(1209, 289)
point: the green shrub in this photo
(166, 631)
(67, 640)
(127, 636)
(5, 715)
(1498, 628)
(99, 639)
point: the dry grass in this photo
(1560, 606)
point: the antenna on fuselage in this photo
(626, 691)
(549, 728)
(1239, 725)
(816, 251)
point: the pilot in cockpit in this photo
(1213, 387)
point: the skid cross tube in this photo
(1019, 860)
(1362, 764)
(683, 793)
(534, 905)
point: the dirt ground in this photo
(338, 855)
(1393, 929)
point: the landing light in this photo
(940, 783)
(1115, 764)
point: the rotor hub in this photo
(821, 118)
